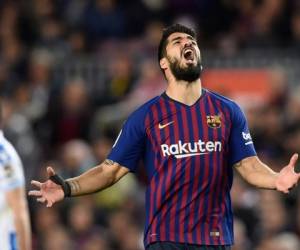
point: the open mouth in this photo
(188, 54)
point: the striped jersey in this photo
(11, 177)
(188, 154)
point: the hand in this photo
(287, 177)
(48, 192)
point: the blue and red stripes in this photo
(188, 198)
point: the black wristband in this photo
(64, 184)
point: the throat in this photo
(187, 95)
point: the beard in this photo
(190, 73)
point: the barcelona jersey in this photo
(188, 154)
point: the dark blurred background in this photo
(72, 70)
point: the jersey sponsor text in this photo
(182, 150)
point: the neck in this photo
(184, 92)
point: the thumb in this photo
(50, 171)
(293, 160)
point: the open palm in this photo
(287, 177)
(48, 191)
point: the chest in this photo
(183, 131)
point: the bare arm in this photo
(97, 178)
(93, 180)
(260, 175)
(18, 203)
(257, 173)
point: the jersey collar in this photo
(203, 93)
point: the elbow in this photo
(111, 178)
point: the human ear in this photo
(163, 63)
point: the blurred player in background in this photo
(189, 139)
(15, 230)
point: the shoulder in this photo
(225, 102)
(8, 154)
(4, 155)
(222, 99)
(139, 115)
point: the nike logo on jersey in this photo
(161, 126)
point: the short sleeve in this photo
(240, 141)
(11, 175)
(129, 145)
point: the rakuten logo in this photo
(182, 150)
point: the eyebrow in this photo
(180, 37)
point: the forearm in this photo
(263, 179)
(97, 178)
(257, 173)
(23, 229)
(18, 204)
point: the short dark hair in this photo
(169, 31)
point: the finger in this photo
(36, 183)
(49, 204)
(50, 171)
(35, 193)
(293, 160)
(41, 200)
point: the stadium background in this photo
(72, 70)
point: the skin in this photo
(92, 181)
(182, 91)
(17, 202)
(107, 173)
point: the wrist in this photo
(63, 183)
(67, 189)
(279, 183)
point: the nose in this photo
(187, 43)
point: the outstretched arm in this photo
(260, 175)
(97, 178)
(93, 180)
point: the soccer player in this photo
(15, 230)
(190, 139)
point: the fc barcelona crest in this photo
(213, 121)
